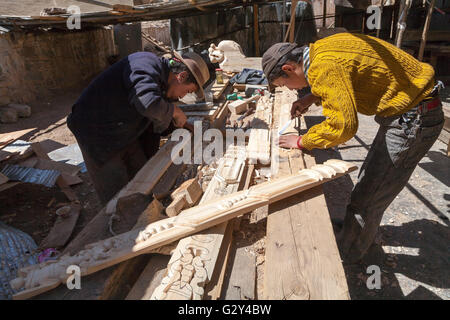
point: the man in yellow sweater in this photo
(351, 73)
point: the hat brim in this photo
(199, 93)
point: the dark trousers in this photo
(111, 176)
(401, 142)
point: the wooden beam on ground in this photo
(302, 259)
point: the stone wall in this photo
(38, 64)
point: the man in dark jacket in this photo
(119, 118)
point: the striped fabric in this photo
(306, 61)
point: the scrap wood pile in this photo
(23, 162)
(169, 233)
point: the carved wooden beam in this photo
(187, 272)
(230, 57)
(36, 279)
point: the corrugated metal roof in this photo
(101, 13)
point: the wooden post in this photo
(291, 27)
(403, 13)
(425, 30)
(293, 8)
(256, 29)
(324, 13)
(381, 17)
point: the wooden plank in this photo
(62, 184)
(150, 278)
(8, 185)
(219, 88)
(62, 229)
(240, 106)
(242, 280)
(302, 258)
(3, 179)
(7, 138)
(149, 175)
(213, 289)
(220, 118)
(103, 254)
(167, 181)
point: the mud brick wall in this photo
(35, 65)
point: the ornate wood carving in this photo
(102, 254)
(230, 57)
(196, 255)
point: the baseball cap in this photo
(274, 54)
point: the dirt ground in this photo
(412, 249)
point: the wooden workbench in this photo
(302, 258)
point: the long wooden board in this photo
(302, 259)
(7, 138)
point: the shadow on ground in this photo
(414, 256)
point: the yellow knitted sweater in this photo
(357, 73)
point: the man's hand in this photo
(288, 142)
(300, 106)
(179, 118)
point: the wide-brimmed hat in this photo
(198, 68)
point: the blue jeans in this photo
(401, 142)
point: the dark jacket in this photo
(121, 103)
